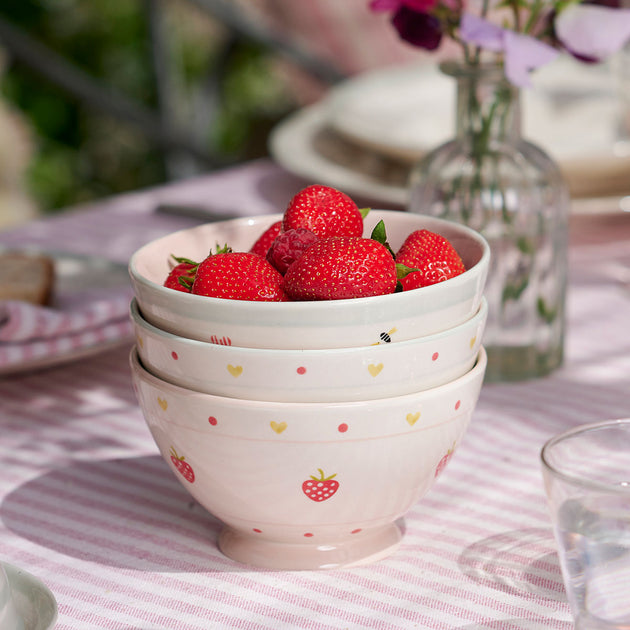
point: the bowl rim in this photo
(142, 373)
(141, 322)
(191, 300)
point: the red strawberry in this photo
(183, 467)
(181, 277)
(320, 488)
(341, 267)
(262, 245)
(324, 211)
(433, 256)
(238, 276)
(288, 247)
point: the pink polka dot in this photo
(355, 531)
(435, 356)
(301, 370)
(174, 355)
(458, 404)
(308, 535)
(258, 531)
(213, 421)
(342, 428)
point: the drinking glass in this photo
(586, 472)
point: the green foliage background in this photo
(83, 154)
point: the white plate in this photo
(78, 279)
(364, 136)
(32, 598)
(303, 145)
(405, 111)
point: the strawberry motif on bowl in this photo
(320, 488)
(182, 466)
(446, 458)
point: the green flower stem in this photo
(483, 127)
(534, 14)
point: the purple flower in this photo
(592, 32)
(411, 20)
(521, 53)
(418, 29)
(613, 4)
(420, 6)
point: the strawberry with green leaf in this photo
(344, 267)
(341, 267)
(320, 488)
(238, 276)
(182, 275)
(182, 466)
(433, 256)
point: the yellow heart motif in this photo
(235, 370)
(472, 341)
(162, 403)
(278, 427)
(375, 370)
(412, 418)
(140, 342)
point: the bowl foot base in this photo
(255, 551)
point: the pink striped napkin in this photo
(31, 334)
(20, 321)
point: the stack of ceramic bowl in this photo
(308, 428)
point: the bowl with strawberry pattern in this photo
(324, 274)
(380, 370)
(308, 485)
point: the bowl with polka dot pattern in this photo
(308, 485)
(310, 324)
(380, 370)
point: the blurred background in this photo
(99, 97)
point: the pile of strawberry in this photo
(318, 252)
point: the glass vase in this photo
(491, 179)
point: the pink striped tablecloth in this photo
(88, 506)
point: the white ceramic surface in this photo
(10, 619)
(34, 604)
(307, 325)
(307, 485)
(368, 131)
(405, 111)
(303, 145)
(342, 374)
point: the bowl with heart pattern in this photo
(307, 485)
(380, 370)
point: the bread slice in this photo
(27, 278)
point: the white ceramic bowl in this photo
(307, 485)
(307, 325)
(336, 375)
(9, 616)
